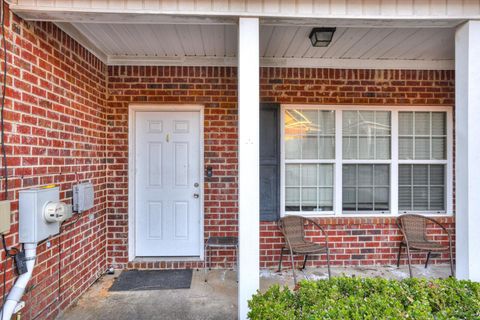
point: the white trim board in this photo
(382, 64)
(132, 110)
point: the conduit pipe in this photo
(18, 289)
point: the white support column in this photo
(248, 166)
(467, 113)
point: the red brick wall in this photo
(55, 134)
(355, 240)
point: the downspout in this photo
(18, 289)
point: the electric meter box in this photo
(83, 196)
(33, 227)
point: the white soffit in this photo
(284, 46)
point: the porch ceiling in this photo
(216, 44)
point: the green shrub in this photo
(370, 298)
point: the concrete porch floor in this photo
(216, 299)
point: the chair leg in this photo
(281, 259)
(328, 264)
(399, 254)
(236, 261)
(428, 258)
(206, 264)
(451, 262)
(293, 268)
(409, 262)
(304, 262)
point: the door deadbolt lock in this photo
(196, 184)
(196, 195)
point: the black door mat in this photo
(137, 280)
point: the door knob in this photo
(196, 195)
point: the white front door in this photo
(167, 184)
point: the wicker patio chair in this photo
(414, 230)
(293, 229)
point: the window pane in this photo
(421, 187)
(350, 122)
(349, 199)
(382, 177)
(292, 175)
(293, 147)
(382, 196)
(437, 198)
(327, 122)
(405, 198)
(292, 199)
(366, 148)
(405, 147)
(422, 135)
(349, 175)
(382, 120)
(326, 148)
(310, 147)
(383, 148)
(365, 175)
(309, 175)
(405, 175)
(366, 135)
(420, 175)
(309, 199)
(325, 175)
(437, 174)
(439, 146)
(422, 123)
(325, 199)
(420, 198)
(309, 134)
(350, 145)
(365, 199)
(366, 187)
(366, 123)
(309, 187)
(405, 123)
(439, 123)
(422, 148)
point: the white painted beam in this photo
(379, 64)
(248, 161)
(385, 9)
(467, 112)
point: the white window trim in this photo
(338, 161)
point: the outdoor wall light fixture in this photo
(321, 37)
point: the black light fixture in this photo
(321, 37)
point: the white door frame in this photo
(145, 107)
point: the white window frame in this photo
(394, 161)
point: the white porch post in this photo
(248, 166)
(467, 113)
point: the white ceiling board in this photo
(369, 40)
(147, 41)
